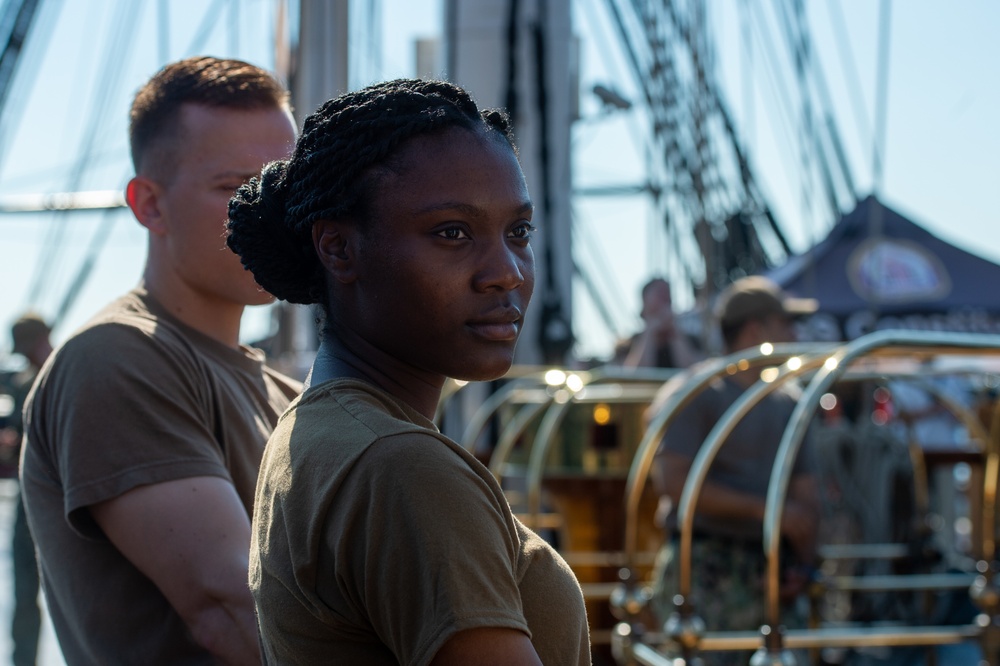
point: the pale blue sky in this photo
(942, 154)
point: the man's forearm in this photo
(670, 475)
(228, 629)
(720, 501)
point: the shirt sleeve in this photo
(120, 408)
(687, 432)
(427, 550)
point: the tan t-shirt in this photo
(134, 398)
(376, 538)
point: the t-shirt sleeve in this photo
(685, 435)
(120, 408)
(448, 561)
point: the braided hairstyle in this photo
(328, 176)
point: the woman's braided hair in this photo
(271, 218)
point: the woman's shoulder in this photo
(350, 421)
(365, 405)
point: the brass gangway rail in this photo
(820, 367)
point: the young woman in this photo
(377, 540)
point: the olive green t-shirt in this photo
(376, 538)
(134, 398)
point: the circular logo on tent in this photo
(887, 270)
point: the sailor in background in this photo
(661, 343)
(728, 556)
(30, 335)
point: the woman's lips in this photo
(500, 327)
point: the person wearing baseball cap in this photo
(727, 550)
(755, 310)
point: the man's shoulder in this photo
(123, 340)
(128, 317)
(116, 333)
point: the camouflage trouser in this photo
(727, 590)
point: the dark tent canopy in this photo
(877, 269)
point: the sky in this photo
(940, 148)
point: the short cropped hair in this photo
(154, 121)
(28, 330)
(653, 282)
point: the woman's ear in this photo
(143, 196)
(335, 243)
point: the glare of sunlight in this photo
(555, 377)
(574, 382)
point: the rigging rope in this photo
(20, 18)
(882, 95)
(115, 57)
(163, 30)
(810, 71)
(850, 72)
(20, 21)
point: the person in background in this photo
(144, 431)
(376, 539)
(661, 344)
(30, 337)
(728, 556)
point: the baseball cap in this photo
(28, 329)
(755, 297)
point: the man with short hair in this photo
(145, 430)
(728, 562)
(661, 343)
(30, 337)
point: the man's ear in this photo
(336, 242)
(143, 196)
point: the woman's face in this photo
(446, 270)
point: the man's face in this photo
(656, 300)
(218, 149)
(777, 329)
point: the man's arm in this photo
(660, 331)
(642, 353)
(487, 646)
(671, 471)
(191, 537)
(799, 517)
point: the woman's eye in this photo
(453, 233)
(522, 231)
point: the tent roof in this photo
(876, 259)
